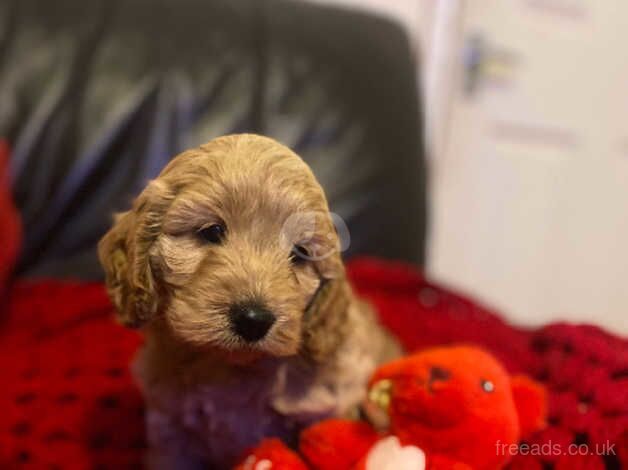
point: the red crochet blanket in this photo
(68, 402)
(10, 223)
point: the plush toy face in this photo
(455, 401)
(443, 387)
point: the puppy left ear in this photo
(531, 402)
(325, 319)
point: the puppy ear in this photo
(124, 255)
(112, 253)
(325, 318)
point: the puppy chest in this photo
(220, 421)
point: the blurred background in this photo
(525, 108)
(484, 141)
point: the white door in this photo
(530, 191)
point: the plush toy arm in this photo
(336, 444)
(440, 462)
(271, 454)
(531, 401)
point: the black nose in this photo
(438, 373)
(251, 321)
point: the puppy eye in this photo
(299, 254)
(487, 386)
(214, 233)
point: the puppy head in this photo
(232, 249)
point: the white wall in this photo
(530, 195)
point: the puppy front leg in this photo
(162, 459)
(168, 445)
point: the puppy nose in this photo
(251, 321)
(438, 373)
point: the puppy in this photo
(230, 264)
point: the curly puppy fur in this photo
(209, 393)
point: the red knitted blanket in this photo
(68, 402)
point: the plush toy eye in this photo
(487, 386)
(299, 254)
(214, 233)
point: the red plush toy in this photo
(446, 408)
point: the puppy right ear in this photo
(113, 255)
(123, 253)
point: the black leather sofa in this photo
(96, 96)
